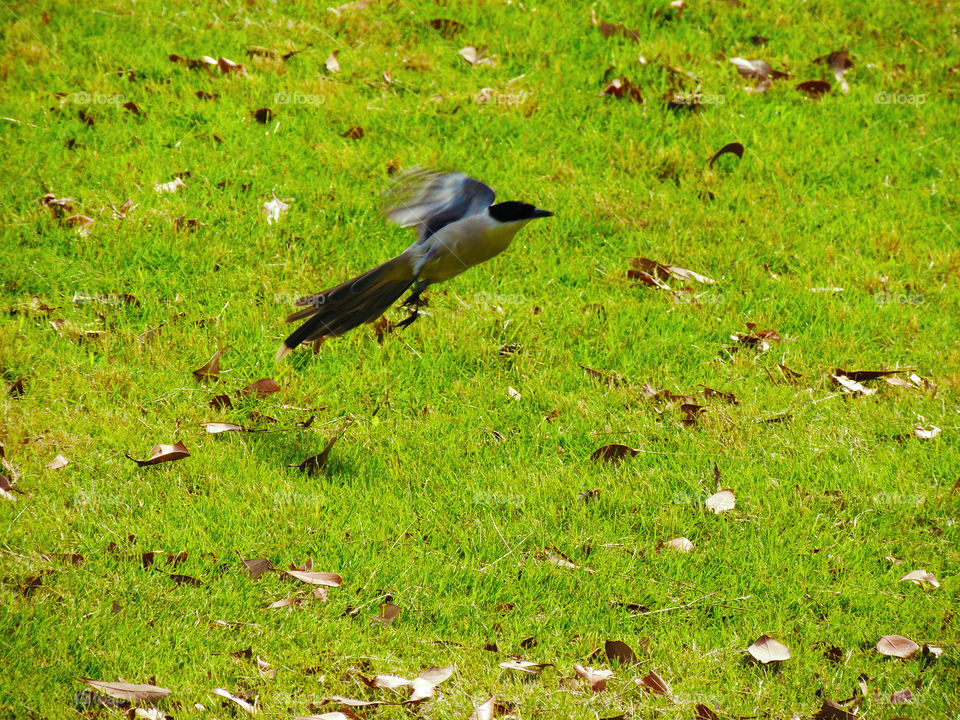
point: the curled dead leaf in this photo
(163, 453)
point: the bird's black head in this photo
(516, 211)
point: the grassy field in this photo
(455, 488)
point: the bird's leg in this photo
(415, 302)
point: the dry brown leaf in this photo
(734, 148)
(250, 709)
(163, 453)
(128, 691)
(622, 87)
(388, 613)
(654, 684)
(275, 208)
(830, 710)
(922, 578)
(926, 433)
(214, 428)
(596, 677)
(680, 544)
(766, 650)
(524, 666)
(170, 187)
(315, 463)
(425, 684)
(721, 501)
(446, 27)
(897, 646)
(613, 453)
(286, 602)
(619, 651)
(901, 697)
(261, 388)
(82, 223)
(814, 88)
(665, 272)
(757, 338)
(477, 57)
(58, 462)
(211, 369)
(331, 62)
(316, 578)
(256, 567)
(352, 133)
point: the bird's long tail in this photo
(362, 299)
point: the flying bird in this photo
(458, 226)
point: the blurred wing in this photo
(431, 200)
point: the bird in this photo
(458, 226)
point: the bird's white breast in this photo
(463, 244)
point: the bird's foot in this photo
(414, 314)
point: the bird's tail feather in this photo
(362, 299)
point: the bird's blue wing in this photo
(431, 200)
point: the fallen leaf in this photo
(726, 397)
(622, 87)
(901, 697)
(261, 388)
(597, 678)
(524, 666)
(275, 208)
(897, 646)
(485, 711)
(211, 369)
(221, 402)
(82, 223)
(446, 27)
(425, 684)
(609, 30)
(316, 578)
(388, 613)
(163, 453)
(705, 713)
(839, 62)
(926, 433)
(766, 650)
(665, 272)
(353, 133)
(246, 706)
(331, 62)
(721, 501)
(128, 691)
(757, 338)
(734, 148)
(132, 107)
(58, 462)
(680, 544)
(263, 116)
(15, 389)
(921, 577)
(814, 88)
(865, 375)
(170, 187)
(654, 683)
(932, 651)
(287, 602)
(214, 428)
(228, 67)
(619, 651)
(477, 57)
(315, 463)
(613, 453)
(830, 710)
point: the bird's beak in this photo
(538, 213)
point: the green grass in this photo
(443, 491)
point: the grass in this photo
(444, 491)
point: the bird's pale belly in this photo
(450, 253)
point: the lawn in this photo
(472, 484)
